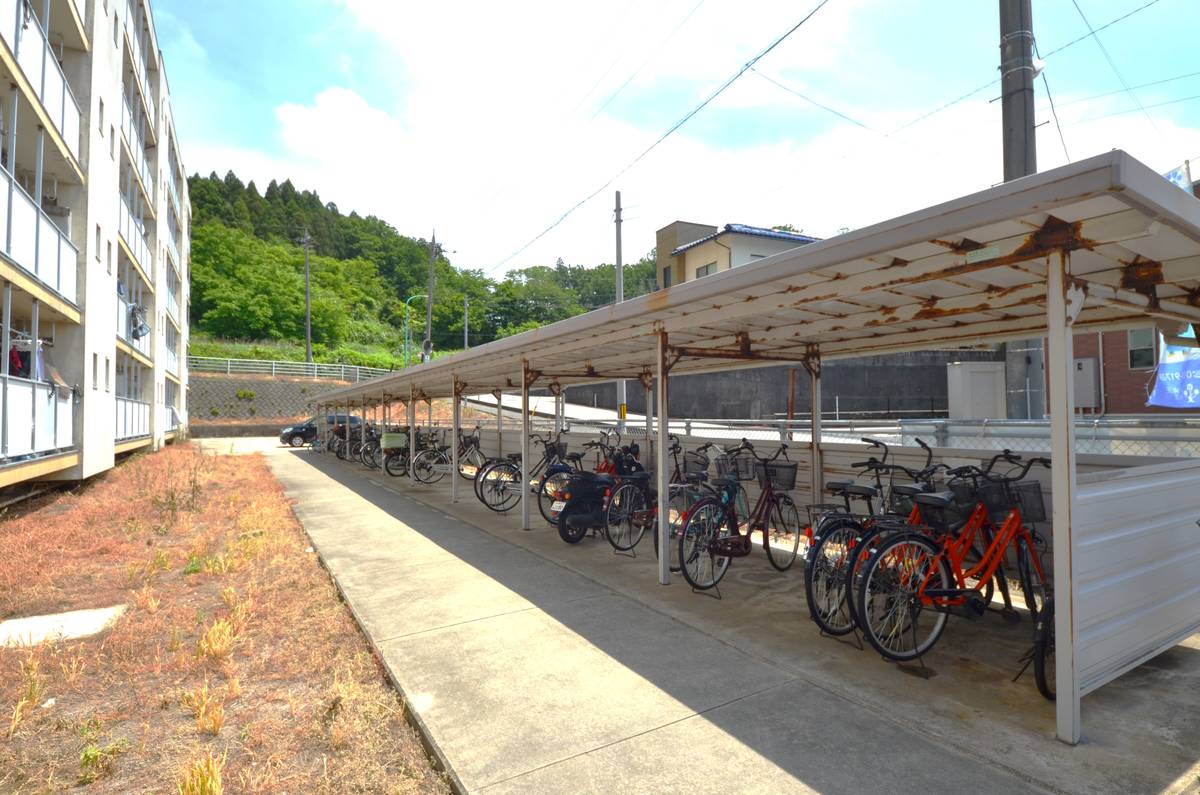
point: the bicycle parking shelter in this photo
(1104, 243)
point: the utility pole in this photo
(1016, 81)
(427, 345)
(1023, 358)
(306, 241)
(466, 321)
(620, 296)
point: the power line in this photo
(1053, 110)
(649, 58)
(1122, 91)
(1055, 51)
(720, 89)
(809, 99)
(1113, 63)
(1139, 108)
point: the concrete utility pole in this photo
(306, 241)
(1016, 80)
(466, 321)
(427, 345)
(620, 296)
(1023, 358)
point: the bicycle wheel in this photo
(893, 614)
(1044, 670)
(627, 516)
(682, 497)
(430, 466)
(706, 524)
(396, 464)
(549, 490)
(781, 538)
(376, 459)
(470, 463)
(1032, 574)
(825, 574)
(866, 543)
(481, 475)
(502, 488)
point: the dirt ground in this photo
(235, 666)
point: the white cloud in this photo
(494, 139)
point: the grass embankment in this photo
(235, 664)
(293, 351)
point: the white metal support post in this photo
(649, 417)
(1062, 305)
(411, 414)
(660, 465)
(456, 424)
(525, 430)
(499, 423)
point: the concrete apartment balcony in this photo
(125, 329)
(133, 419)
(24, 35)
(38, 418)
(130, 128)
(172, 305)
(137, 43)
(133, 233)
(34, 241)
(172, 362)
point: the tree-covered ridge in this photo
(248, 277)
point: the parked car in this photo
(305, 432)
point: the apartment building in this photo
(94, 249)
(687, 251)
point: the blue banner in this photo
(1177, 377)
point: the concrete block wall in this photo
(215, 397)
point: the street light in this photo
(407, 327)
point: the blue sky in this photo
(487, 121)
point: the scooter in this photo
(585, 498)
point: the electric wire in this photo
(1053, 110)
(1113, 64)
(686, 117)
(809, 99)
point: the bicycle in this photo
(470, 457)
(712, 534)
(497, 485)
(432, 462)
(911, 573)
(394, 446)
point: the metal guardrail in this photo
(341, 372)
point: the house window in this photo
(97, 242)
(1142, 343)
(706, 270)
(102, 117)
(95, 371)
(112, 142)
(107, 374)
(109, 244)
(666, 276)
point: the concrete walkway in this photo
(529, 677)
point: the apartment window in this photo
(708, 269)
(101, 117)
(667, 277)
(112, 142)
(109, 244)
(1142, 343)
(95, 371)
(107, 374)
(116, 31)
(97, 242)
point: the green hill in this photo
(248, 281)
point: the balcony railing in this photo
(134, 234)
(172, 362)
(172, 303)
(133, 137)
(141, 71)
(173, 191)
(38, 417)
(125, 329)
(35, 242)
(133, 419)
(172, 247)
(23, 34)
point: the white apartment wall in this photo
(748, 248)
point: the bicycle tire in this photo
(395, 464)
(1044, 667)
(869, 540)
(470, 463)
(889, 605)
(784, 520)
(626, 518)
(429, 466)
(480, 475)
(825, 575)
(549, 487)
(502, 490)
(707, 521)
(1033, 585)
(571, 535)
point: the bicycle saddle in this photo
(696, 477)
(640, 474)
(851, 488)
(939, 499)
(912, 489)
(574, 457)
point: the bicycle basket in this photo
(393, 441)
(737, 467)
(695, 463)
(558, 449)
(899, 504)
(1029, 498)
(995, 497)
(781, 474)
(965, 495)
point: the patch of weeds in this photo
(96, 761)
(89, 730)
(219, 563)
(213, 412)
(176, 639)
(146, 600)
(245, 394)
(208, 710)
(202, 776)
(216, 640)
(195, 564)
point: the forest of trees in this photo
(247, 275)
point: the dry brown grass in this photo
(235, 666)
